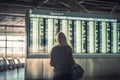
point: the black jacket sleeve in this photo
(72, 62)
(51, 57)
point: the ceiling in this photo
(86, 6)
(12, 12)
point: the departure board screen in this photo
(85, 34)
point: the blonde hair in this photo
(61, 39)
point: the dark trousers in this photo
(63, 76)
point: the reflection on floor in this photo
(16, 74)
(101, 78)
(19, 74)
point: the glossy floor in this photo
(19, 74)
(16, 74)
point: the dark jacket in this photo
(62, 59)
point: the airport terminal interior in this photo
(28, 29)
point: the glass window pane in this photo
(15, 30)
(2, 52)
(2, 37)
(9, 44)
(17, 52)
(2, 43)
(9, 52)
(17, 44)
(11, 37)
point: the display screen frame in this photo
(71, 16)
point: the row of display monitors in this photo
(84, 36)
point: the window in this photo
(12, 42)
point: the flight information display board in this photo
(84, 34)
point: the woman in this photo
(61, 58)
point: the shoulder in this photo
(54, 48)
(69, 47)
(59, 47)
